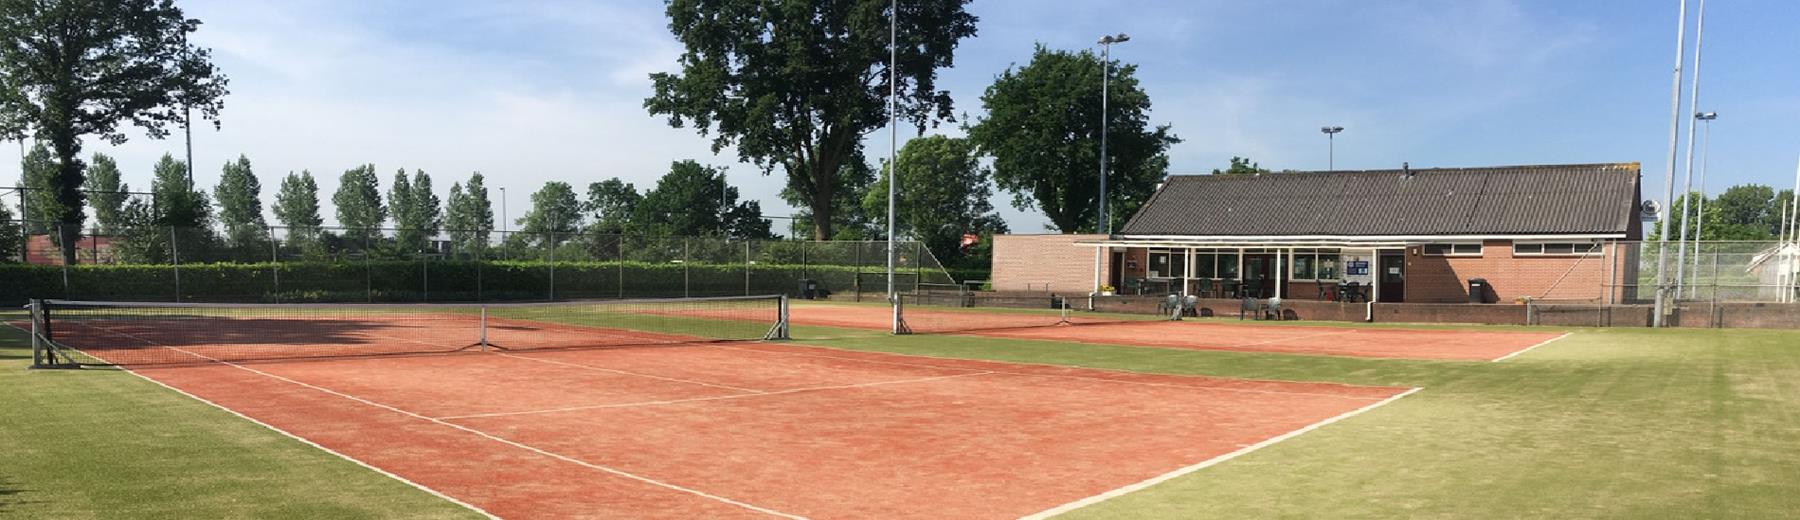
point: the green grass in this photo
(1608, 423)
(106, 444)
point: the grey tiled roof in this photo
(1504, 200)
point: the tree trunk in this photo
(68, 194)
(824, 174)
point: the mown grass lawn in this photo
(1607, 423)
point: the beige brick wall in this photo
(1044, 263)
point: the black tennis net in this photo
(76, 333)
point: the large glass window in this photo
(1167, 263)
(1228, 265)
(1206, 265)
(1558, 248)
(1320, 264)
(1451, 249)
(1304, 265)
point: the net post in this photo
(484, 329)
(37, 343)
(780, 330)
(900, 326)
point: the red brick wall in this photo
(1030, 262)
(1444, 279)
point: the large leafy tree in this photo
(470, 216)
(75, 68)
(1239, 166)
(797, 84)
(944, 195)
(239, 195)
(359, 207)
(1043, 130)
(555, 216)
(611, 204)
(297, 207)
(10, 236)
(107, 194)
(415, 208)
(849, 220)
(182, 210)
(693, 199)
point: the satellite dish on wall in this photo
(1649, 210)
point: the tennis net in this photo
(951, 312)
(77, 333)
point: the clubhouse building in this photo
(1437, 235)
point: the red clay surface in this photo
(730, 430)
(1430, 344)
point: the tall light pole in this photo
(893, 152)
(503, 219)
(1331, 146)
(1700, 204)
(1104, 226)
(1662, 248)
(1687, 179)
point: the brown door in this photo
(1392, 277)
(1116, 277)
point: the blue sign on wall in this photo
(1356, 267)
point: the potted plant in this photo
(1106, 290)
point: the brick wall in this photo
(1444, 279)
(1034, 262)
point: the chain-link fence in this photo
(1713, 271)
(276, 264)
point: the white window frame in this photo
(1151, 253)
(1594, 249)
(1479, 249)
(1317, 255)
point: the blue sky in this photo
(532, 91)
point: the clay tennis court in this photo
(1424, 344)
(733, 429)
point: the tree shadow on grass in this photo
(10, 494)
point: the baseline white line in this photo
(302, 440)
(713, 398)
(630, 373)
(1141, 383)
(509, 442)
(1526, 349)
(1078, 504)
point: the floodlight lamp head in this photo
(1331, 129)
(1706, 116)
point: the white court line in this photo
(630, 373)
(1526, 349)
(713, 398)
(1078, 504)
(480, 433)
(1119, 381)
(302, 440)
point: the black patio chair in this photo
(1352, 292)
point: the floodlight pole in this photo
(1331, 146)
(1700, 205)
(1104, 226)
(1662, 252)
(503, 218)
(1687, 182)
(893, 153)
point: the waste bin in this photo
(1478, 290)
(809, 288)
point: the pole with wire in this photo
(1104, 226)
(1660, 318)
(1687, 183)
(893, 154)
(1706, 118)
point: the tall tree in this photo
(106, 193)
(358, 202)
(415, 208)
(74, 68)
(43, 206)
(297, 208)
(1240, 165)
(611, 204)
(693, 199)
(555, 212)
(797, 85)
(1043, 130)
(182, 210)
(849, 220)
(945, 195)
(239, 194)
(470, 216)
(11, 238)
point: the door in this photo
(1259, 275)
(1116, 276)
(1392, 277)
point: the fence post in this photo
(368, 268)
(175, 258)
(552, 256)
(746, 267)
(687, 284)
(65, 265)
(856, 278)
(619, 258)
(274, 264)
(425, 268)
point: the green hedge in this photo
(414, 281)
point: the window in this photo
(1556, 249)
(1228, 265)
(1167, 263)
(1451, 249)
(1319, 264)
(1206, 265)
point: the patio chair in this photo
(1326, 292)
(1253, 289)
(1250, 306)
(1352, 292)
(1204, 288)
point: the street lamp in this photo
(1105, 224)
(1331, 146)
(1700, 204)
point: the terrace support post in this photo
(1280, 263)
(1240, 271)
